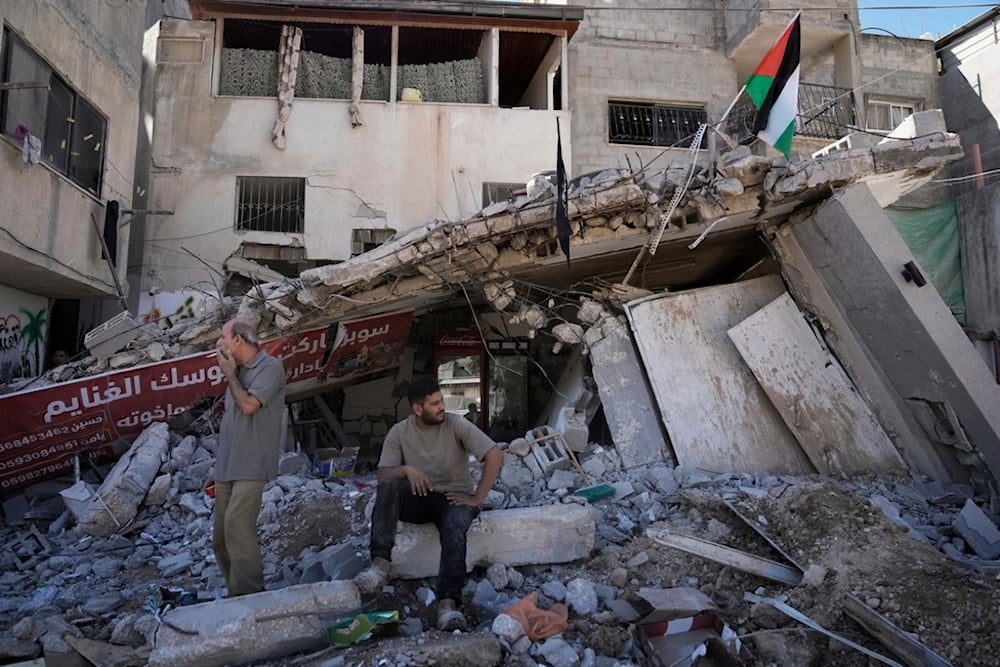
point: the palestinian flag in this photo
(774, 89)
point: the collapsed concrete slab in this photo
(523, 536)
(119, 497)
(832, 423)
(717, 415)
(873, 277)
(254, 627)
(629, 406)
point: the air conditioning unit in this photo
(113, 335)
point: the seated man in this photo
(423, 477)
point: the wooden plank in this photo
(717, 417)
(334, 423)
(759, 529)
(719, 553)
(813, 394)
(897, 640)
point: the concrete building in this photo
(402, 112)
(970, 63)
(635, 78)
(69, 108)
(644, 74)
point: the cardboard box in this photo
(701, 640)
(678, 626)
(333, 462)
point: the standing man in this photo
(249, 447)
(423, 477)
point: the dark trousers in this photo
(395, 502)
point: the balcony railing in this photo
(825, 112)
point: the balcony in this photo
(752, 26)
(825, 112)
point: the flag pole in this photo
(731, 105)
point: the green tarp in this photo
(932, 235)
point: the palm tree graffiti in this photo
(33, 334)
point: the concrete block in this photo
(918, 124)
(978, 531)
(550, 455)
(121, 494)
(252, 628)
(522, 536)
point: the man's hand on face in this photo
(420, 483)
(226, 361)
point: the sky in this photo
(915, 22)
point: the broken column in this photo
(252, 628)
(119, 497)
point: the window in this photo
(270, 204)
(653, 124)
(363, 240)
(71, 129)
(885, 116)
(496, 192)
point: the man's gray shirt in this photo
(441, 451)
(249, 445)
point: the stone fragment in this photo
(581, 596)
(522, 536)
(978, 530)
(251, 628)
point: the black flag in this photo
(562, 197)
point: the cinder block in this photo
(550, 454)
(523, 536)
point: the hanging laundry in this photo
(31, 153)
(288, 66)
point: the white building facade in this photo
(401, 114)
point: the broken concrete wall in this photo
(907, 329)
(979, 226)
(716, 414)
(818, 402)
(629, 405)
(805, 283)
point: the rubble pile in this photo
(619, 206)
(914, 552)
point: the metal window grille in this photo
(826, 112)
(270, 204)
(653, 124)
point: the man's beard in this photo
(428, 420)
